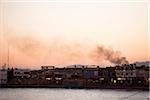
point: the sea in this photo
(71, 94)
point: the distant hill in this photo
(146, 63)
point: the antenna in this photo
(8, 55)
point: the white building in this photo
(126, 71)
(75, 66)
(132, 72)
(47, 67)
(3, 76)
(21, 72)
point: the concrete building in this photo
(3, 76)
(90, 73)
(126, 74)
(47, 67)
(110, 77)
(21, 72)
(132, 74)
(75, 66)
(125, 71)
(142, 74)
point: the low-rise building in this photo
(125, 71)
(47, 67)
(90, 73)
(3, 76)
(132, 74)
(21, 72)
(126, 74)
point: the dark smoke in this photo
(110, 55)
(62, 52)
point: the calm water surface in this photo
(71, 94)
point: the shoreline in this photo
(82, 87)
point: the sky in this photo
(36, 33)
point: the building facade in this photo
(21, 72)
(132, 74)
(3, 76)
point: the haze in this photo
(63, 33)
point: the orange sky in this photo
(62, 33)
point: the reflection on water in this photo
(71, 94)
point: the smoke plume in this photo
(61, 51)
(110, 55)
(27, 45)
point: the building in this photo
(132, 74)
(47, 67)
(3, 76)
(110, 75)
(146, 63)
(126, 71)
(90, 73)
(126, 74)
(142, 75)
(21, 72)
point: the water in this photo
(70, 94)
